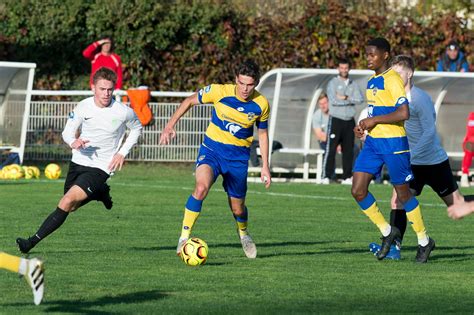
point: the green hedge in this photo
(182, 45)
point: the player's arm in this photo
(402, 113)
(168, 132)
(264, 152)
(69, 133)
(135, 127)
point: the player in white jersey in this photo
(96, 152)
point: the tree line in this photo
(182, 45)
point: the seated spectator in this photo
(320, 120)
(453, 59)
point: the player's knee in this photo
(404, 197)
(238, 211)
(68, 204)
(200, 192)
(358, 193)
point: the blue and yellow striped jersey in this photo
(230, 131)
(385, 93)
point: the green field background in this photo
(312, 245)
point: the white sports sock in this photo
(386, 231)
(423, 241)
(23, 266)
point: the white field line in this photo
(267, 193)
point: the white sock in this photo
(23, 266)
(423, 241)
(386, 231)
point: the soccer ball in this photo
(52, 171)
(31, 172)
(36, 171)
(194, 252)
(13, 171)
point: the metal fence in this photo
(47, 120)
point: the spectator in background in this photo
(343, 94)
(468, 147)
(453, 59)
(101, 54)
(320, 120)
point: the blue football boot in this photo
(394, 252)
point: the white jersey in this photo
(104, 128)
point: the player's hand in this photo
(167, 135)
(103, 41)
(265, 177)
(359, 132)
(116, 163)
(79, 144)
(367, 123)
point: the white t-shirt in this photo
(104, 128)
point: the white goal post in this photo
(16, 84)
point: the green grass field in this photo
(312, 245)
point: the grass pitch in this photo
(312, 245)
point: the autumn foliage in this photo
(182, 45)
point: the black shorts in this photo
(438, 176)
(92, 180)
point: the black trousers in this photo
(339, 132)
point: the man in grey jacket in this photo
(343, 95)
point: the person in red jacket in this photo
(101, 54)
(468, 147)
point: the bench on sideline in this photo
(305, 170)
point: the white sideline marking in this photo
(316, 197)
(270, 193)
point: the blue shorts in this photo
(398, 165)
(233, 172)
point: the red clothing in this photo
(468, 155)
(99, 60)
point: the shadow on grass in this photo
(87, 307)
(238, 245)
(320, 252)
(13, 183)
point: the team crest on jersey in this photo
(207, 89)
(71, 115)
(233, 128)
(374, 91)
(250, 116)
